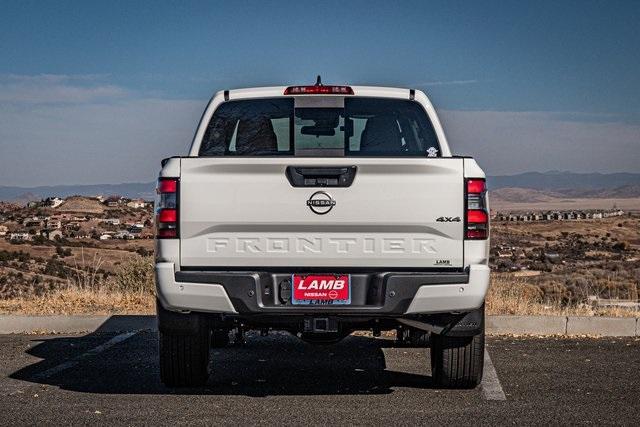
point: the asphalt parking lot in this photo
(113, 378)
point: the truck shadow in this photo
(278, 364)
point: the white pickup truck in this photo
(321, 210)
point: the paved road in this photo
(113, 378)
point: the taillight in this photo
(318, 90)
(167, 186)
(477, 217)
(167, 208)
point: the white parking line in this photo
(491, 388)
(73, 362)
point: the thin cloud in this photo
(69, 129)
(506, 142)
(44, 77)
(72, 129)
(57, 88)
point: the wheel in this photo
(219, 338)
(457, 362)
(184, 358)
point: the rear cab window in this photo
(329, 127)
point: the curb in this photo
(526, 325)
(495, 325)
(606, 326)
(563, 325)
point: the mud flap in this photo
(470, 324)
(454, 325)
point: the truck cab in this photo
(321, 210)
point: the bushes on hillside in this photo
(135, 275)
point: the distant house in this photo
(113, 202)
(33, 204)
(20, 237)
(553, 257)
(3, 230)
(137, 204)
(32, 222)
(112, 221)
(558, 215)
(54, 223)
(54, 202)
(105, 236)
(54, 234)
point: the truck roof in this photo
(279, 91)
(275, 91)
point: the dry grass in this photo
(510, 295)
(129, 291)
(80, 301)
(111, 253)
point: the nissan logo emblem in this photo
(321, 202)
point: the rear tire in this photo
(457, 362)
(184, 358)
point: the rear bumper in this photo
(459, 297)
(374, 294)
(185, 296)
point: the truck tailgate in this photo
(398, 212)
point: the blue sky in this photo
(99, 92)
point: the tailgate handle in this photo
(318, 176)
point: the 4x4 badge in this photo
(321, 202)
(448, 219)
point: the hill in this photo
(554, 180)
(626, 191)
(528, 199)
(568, 184)
(144, 190)
(522, 195)
(81, 204)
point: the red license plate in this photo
(321, 289)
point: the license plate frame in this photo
(322, 297)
